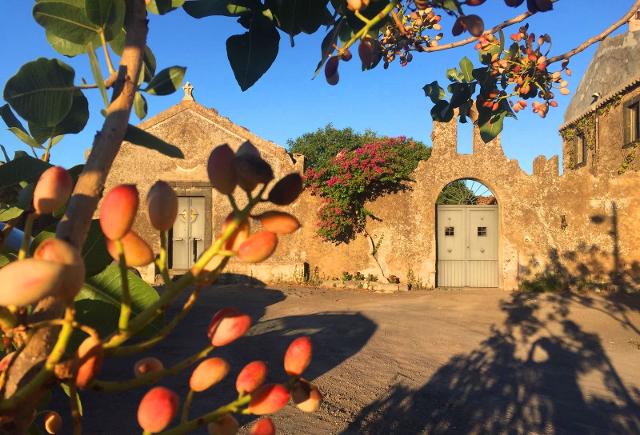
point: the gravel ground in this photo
(465, 361)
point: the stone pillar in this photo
(444, 138)
(539, 164)
(545, 168)
(479, 146)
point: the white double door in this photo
(187, 237)
(467, 239)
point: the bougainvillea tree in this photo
(68, 263)
(355, 177)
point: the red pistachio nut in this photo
(147, 365)
(220, 169)
(60, 252)
(251, 377)
(208, 373)
(268, 399)
(264, 426)
(162, 204)
(286, 190)
(250, 168)
(298, 356)
(118, 211)
(225, 425)
(89, 356)
(137, 252)
(52, 423)
(258, 247)
(25, 282)
(227, 325)
(306, 396)
(157, 408)
(331, 73)
(52, 190)
(278, 222)
(473, 24)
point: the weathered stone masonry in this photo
(546, 220)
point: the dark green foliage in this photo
(322, 145)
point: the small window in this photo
(449, 231)
(482, 231)
(632, 123)
(581, 150)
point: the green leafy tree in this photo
(322, 145)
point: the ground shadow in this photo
(524, 378)
(338, 335)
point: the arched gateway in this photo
(467, 235)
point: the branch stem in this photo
(368, 25)
(157, 338)
(47, 151)
(107, 56)
(163, 258)
(185, 408)
(26, 239)
(150, 377)
(46, 372)
(76, 416)
(190, 426)
(599, 37)
(125, 306)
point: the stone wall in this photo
(578, 226)
(607, 155)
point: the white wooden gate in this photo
(467, 245)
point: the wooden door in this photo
(467, 238)
(187, 240)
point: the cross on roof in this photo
(188, 92)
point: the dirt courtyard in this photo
(466, 361)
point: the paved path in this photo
(446, 361)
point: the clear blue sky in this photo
(286, 102)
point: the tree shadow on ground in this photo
(528, 375)
(524, 378)
(338, 335)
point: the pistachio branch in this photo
(192, 425)
(26, 238)
(125, 306)
(163, 259)
(173, 290)
(74, 226)
(472, 39)
(76, 415)
(161, 335)
(151, 377)
(368, 25)
(599, 37)
(28, 390)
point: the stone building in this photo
(540, 230)
(196, 130)
(602, 124)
